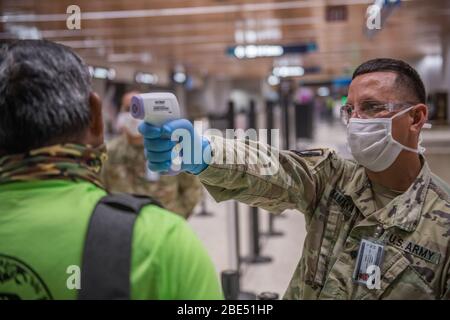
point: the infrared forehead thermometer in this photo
(155, 108)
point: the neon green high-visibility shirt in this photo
(43, 226)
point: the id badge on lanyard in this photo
(370, 253)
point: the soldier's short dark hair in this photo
(407, 76)
(44, 95)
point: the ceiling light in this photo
(323, 92)
(273, 80)
(252, 51)
(102, 73)
(179, 77)
(288, 71)
(146, 78)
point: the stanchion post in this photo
(234, 276)
(271, 232)
(255, 248)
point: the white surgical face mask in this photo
(371, 142)
(125, 121)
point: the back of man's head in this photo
(44, 95)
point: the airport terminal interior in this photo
(239, 64)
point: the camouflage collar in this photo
(404, 211)
(62, 161)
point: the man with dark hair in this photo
(377, 227)
(61, 235)
(407, 78)
(26, 84)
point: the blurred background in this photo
(255, 63)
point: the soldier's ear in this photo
(419, 117)
(96, 120)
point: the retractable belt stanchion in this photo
(230, 284)
(230, 125)
(231, 288)
(231, 278)
(271, 232)
(255, 246)
(285, 102)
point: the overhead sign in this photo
(102, 73)
(146, 78)
(264, 51)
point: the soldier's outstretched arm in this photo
(261, 176)
(249, 172)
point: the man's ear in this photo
(419, 117)
(96, 121)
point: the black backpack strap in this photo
(106, 263)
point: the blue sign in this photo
(392, 2)
(341, 82)
(264, 51)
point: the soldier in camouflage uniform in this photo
(337, 200)
(402, 210)
(126, 170)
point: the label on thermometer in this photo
(157, 108)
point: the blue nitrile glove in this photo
(158, 144)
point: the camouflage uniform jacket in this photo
(125, 171)
(336, 198)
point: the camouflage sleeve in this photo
(261, 176)
(189, 191)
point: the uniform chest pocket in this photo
(409, 286)
(399, 280)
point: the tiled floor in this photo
(285, 251)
